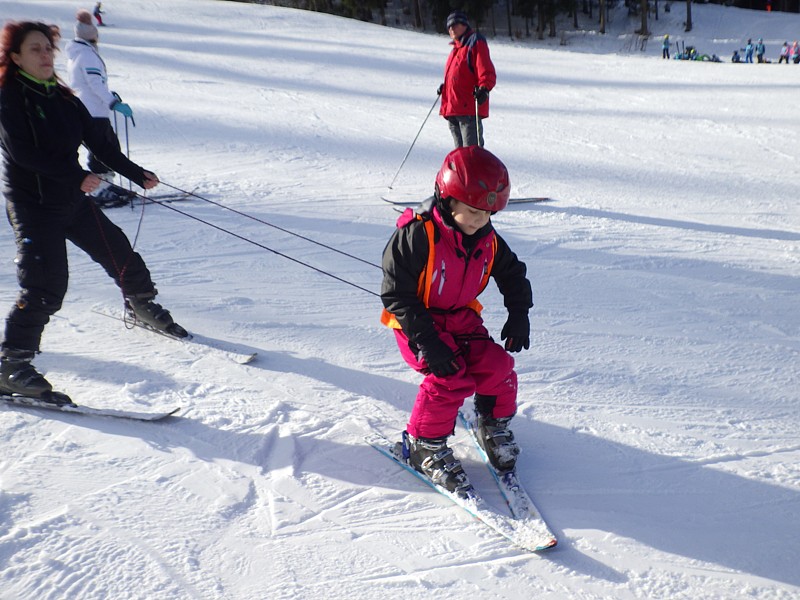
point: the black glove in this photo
(517, 332)
(439, 89)
(481, 94)
(442, 360)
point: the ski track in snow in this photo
(658, 408)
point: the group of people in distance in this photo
(436, 263)
(788, 53)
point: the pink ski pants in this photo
(488, 370)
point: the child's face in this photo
(468, 219)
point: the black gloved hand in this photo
(517, 332)
(441, 359)
(481, 94)
(439, 89)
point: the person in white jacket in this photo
(88, 78)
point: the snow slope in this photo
(658, 410)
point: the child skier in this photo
(435, 265)
(98, 14)
(785, 52)
(761, 49)
(748, 51)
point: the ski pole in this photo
(128, 150)
(414, 142)
(127, 140)
(116, 132)
(478, 124)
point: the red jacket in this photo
(468, 66)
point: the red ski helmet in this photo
(476, 177)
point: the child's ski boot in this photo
(497, 440)
(434, 459)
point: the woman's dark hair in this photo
(11, 38)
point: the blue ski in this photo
(518, 500)
(523, 533)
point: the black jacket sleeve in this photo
(109, 154)
(404, 260)
(510, 273)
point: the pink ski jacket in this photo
(428, 270)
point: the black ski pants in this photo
(466, 131)
(41, 233)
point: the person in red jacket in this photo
(435, 265)
(469, 76)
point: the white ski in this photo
(232, 351)
(414, 203)
(519, 532)
(518, 500)
(78, 409)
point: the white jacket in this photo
(87, 76)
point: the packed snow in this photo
(658, 408)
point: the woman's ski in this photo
(78, 409)
(232, 351)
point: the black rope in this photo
(262, 246)
(263, 222)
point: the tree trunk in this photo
(602, 10)
(540, 22)
(688, 15)
(643, 8)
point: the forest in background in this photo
(518, 18)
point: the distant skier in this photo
(665, 47)
(748, 51)
(785, 51)
(434, 267)
(98, 14)
(86, 72)
(761, 49)
(469, 76)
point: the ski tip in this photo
(529, 200)
(248, 358)
(549, 545)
